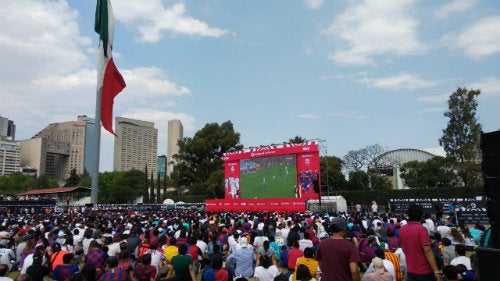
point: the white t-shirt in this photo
(462, 260)
(266, 274)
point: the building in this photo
(389, 163)
(7, 129)
(135, 145)
(60, 148)
(161, 166)
(175, 133)
(10, 157)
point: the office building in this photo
(10, 157)
(60, 148)
(135, 145)
(7, 129)
(175, 133)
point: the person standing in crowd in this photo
(338, 258)
(415, 241)
(97, 258)
(144, 271)
(374, 208)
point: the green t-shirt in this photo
(181, 266)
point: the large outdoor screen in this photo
(281, 171)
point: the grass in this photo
(277, 183)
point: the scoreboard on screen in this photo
(277, 171)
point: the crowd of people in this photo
(129, 245)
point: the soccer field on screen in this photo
(276, 184)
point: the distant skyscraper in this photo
(60, 148)
(162, 166)
(10, 157)
(7, 129)
(135, 145)
(175, 133)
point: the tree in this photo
(297, 139)
(331, 174)
(85, 179)
(15, 182)
(358, 180)
(145, 190)
(354, 160)
(437, 172)
(128, 187)
(461, 137)
(73, 178)
(201, 156)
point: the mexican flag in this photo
(109, 79)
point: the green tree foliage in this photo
(437, 172)
(73, 178)
(45, 182)
(152, 195)
(15, 183)
(199, 157)
(461, 137)
(358, 180)
(297, 139)
(85, 179)
(332, 178)
(145, 190)
(121, 187)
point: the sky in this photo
(348, 73)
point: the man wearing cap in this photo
(241, 262)
(415, 241)
(338, 258)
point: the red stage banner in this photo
(256, 205)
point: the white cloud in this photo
(150, 19)
(349, 114)
(375, 27)
(314, 4)
(488, 86)
(307, 116)
(403, 81)
(434, 109)
(44, 35)
(453, 8)
(480, 40)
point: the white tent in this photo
(337, 203)
(168, 201)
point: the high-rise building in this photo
(7, 129)
(162, 166)
(10, 157)
(135, 145)
(175, 133)
(60, 148)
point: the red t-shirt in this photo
(335, 256)
(413, 236)
(293, 255)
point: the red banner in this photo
(256, 205)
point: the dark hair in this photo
(303, 273)
(461, 268)
(265, 261)
(308, 252)
(450, 271)
(217, 262)
(446, 241)
(182, 249)
(23, 277)
(67, 258)
(460, 249)
(146, 259)
(415, 213)
(266, 245)
(112, 262)
(380, 253)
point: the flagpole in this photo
(97, 147)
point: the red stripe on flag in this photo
(112, 85)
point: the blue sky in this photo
(352, 73)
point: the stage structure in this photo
(270, 178)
